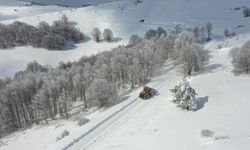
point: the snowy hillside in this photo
(160, 124)
(136, 124)
(123, 18)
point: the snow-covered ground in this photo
(122, 17)
(157, 123)
(161, 125)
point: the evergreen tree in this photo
(185, 96)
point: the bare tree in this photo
(246, 12)
(209, 28)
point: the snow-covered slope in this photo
(158, 123)
(123, 18)
(161, 125)
(11, 9)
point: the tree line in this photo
(241, 59)
(39, 93)
(53, 37)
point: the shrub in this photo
(220, 137)
(82, 121)
(207, 133)
(63, 135)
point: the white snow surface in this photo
(156, 123)
(122, 17)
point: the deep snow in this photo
(157, 123)
(122, 17)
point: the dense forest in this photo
(52, 37)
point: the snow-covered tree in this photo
(196, 31)
(53, 41)
(161, 32)
(108, 35)
(178, 29)
(185, 96)
(102, 91)
(150, 34)
(44, 35)
(241, 58)
(96, 34)
(134, 39)
(35, 67)
(189, 53)
(65, 19)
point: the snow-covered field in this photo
(157, 123)
(122, 17)
(161, 125)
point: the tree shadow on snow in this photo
(202, 101)
(208, 69)
(73, 23)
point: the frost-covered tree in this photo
(150, 34)
(65, 19)
(241, 58)
(134, 39)
(102, 91)
(178, 29)
(185, 96)
(96, 34)
(35, 67)
(108, 35)
(189, 53)
(196, 31)
(202, 30)
(20, 33)
(161, 32)
(53, 41)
